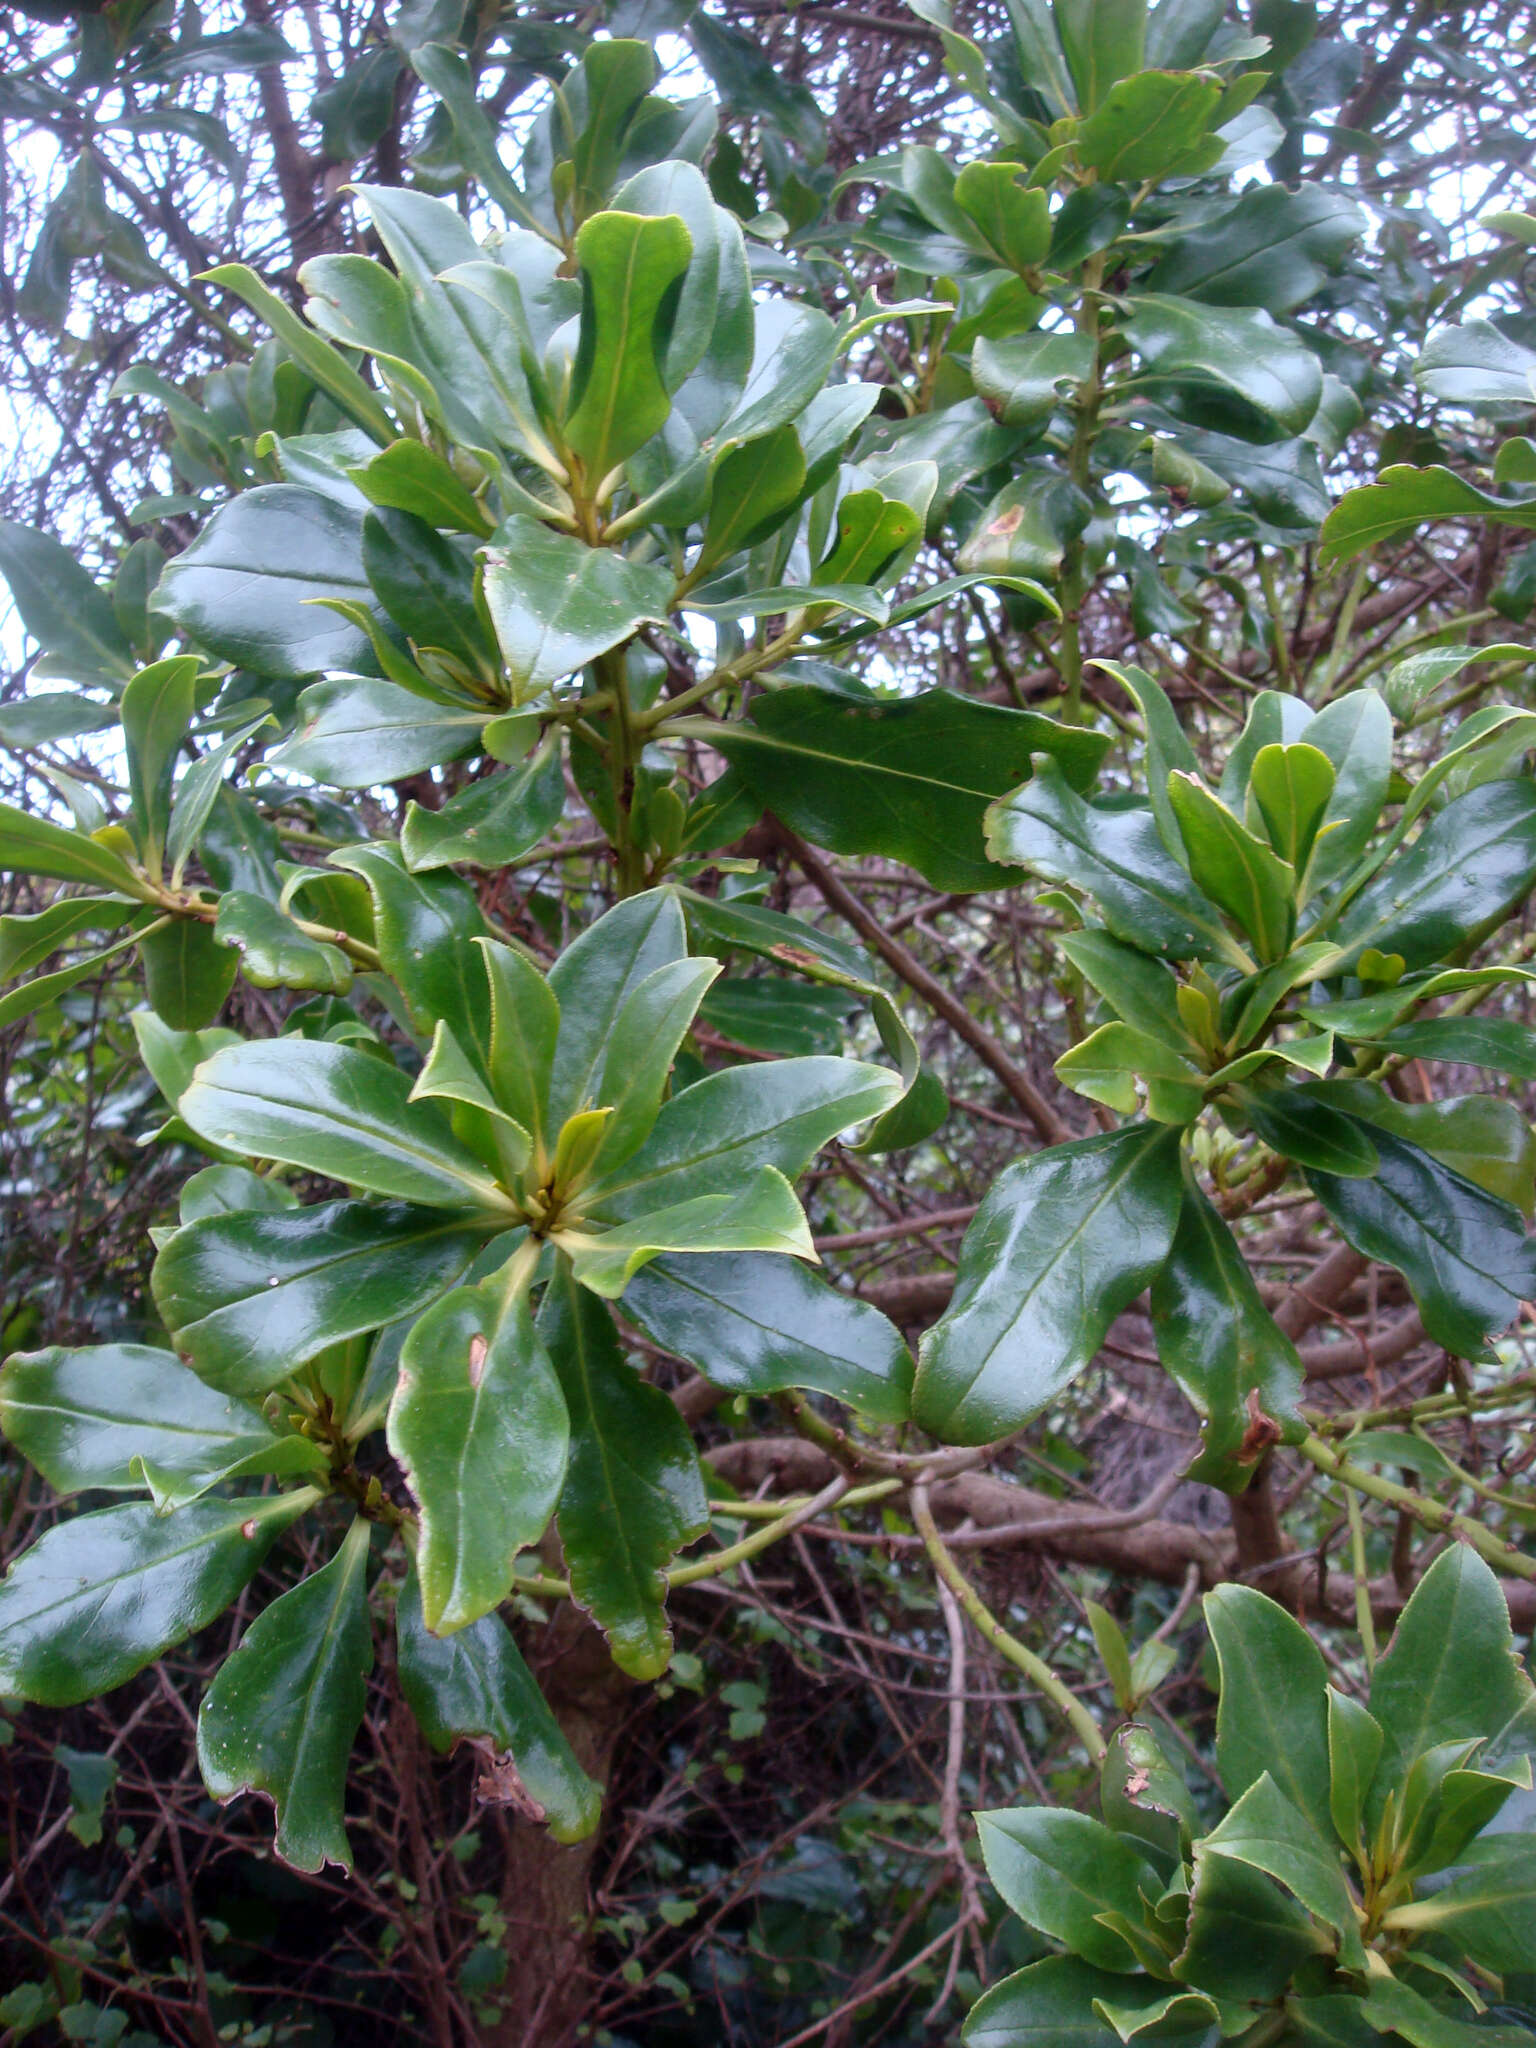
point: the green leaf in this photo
(1060, 1870)
(282, 1714)
(27, 941)
(772, 1015)
(1274, 1711)
(1117, 1065)
(1142, 1795)
(187, 974)
(525, 1024)
(355, 732)
(754, 1323)
(428, 928)
(1025, 377)
(753, 488)
(1062, 1243)
(1222, 1348)
(1146, 898)
(35, 721)
(314, 355)
(1464, 1253)
(1392, 2008)
(1290, 788)
(91, 1781)
(1482, 1137)
(634, 1493)
(1139, 989)
(1298, 1126)
(1167, 747)
(1451, 1670)
(1496, 1042)
(415, 478)
(1246, 1938)
(1156, 125)
(492, 822)
(1250, 881)
(1266, 1831)
(759, 1214)
(427, 586)
(557, 604)
(157, 709)
(106, 1415)
(1489, 1911)
(1476, 365)
(731, 1123)
(1470, 867)
(33, 846)
(250, 1297)
(247, 587)
(591, 982)
(273, 952)
(1355, 732)
(1013, 218)
(1404, 497)
(474, 1686)
(1355, 1741)
(478, 1425)
(640, 1049)
(1274, 248)
(1233, 370)
(628, 265)
(1055, 2004)
(65, 612)
(196, 794)
(99, 1597)
(1103, 41)
(910, 779)
(338, 1112)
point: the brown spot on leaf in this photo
(500, 1784)
(1262, 1431)
(1009, 521)
(248, 1529)
(477, 1350)
(1138, 1781)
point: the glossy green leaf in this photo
(282, 1714)
(753, 1324)
(28, 940)
(752, 490)
(315, 355)
(1488, 1910)
(1235, 869)
(68, 615)
(354, 732)
(634, 1492)
(731, 1123)
(1119, 1065)
(109, 1416)
(641, 1047)
(273, 952)
(1222, 1348)
(1355, 732)
(1061, 1244)
(335, 1111)
(1290, 788)
(249, 1297)
(525, 1025)
(474, 1686)
(591, 982)
(156, 710)
(1482, 1137)
(492, 822)
(427, 587)
(1025, 377)
(1402, 498)
(910, 779)
(773, 1015)
(1246, 1937)
(449, 1075)
(1354, 1749)
(1146, 898)
(478, 1425)
(1274, 248)
(1232, 369)
(196, 794)
(628, 264)
(1167, 747)
(759, 1213)
(1267, 1832)
(99, 1597)
(246, 587)
(557, 604)
(1142, 1795)
(1499, 1043)
(34, 846)
(1156, 125)
(415, 478)
(1464, 1253)
(1318, 1137)
(1274, 1710)
(1013, 218)
(1055, 2004)
(1060, 1870)
(187, 973)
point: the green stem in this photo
(624, 745)
(1364, 1619)
(1498, 1551)
(1073, 587)
(1039, 1673)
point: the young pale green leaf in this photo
(1118, 857)
(157, 709)
(1274, 719)
(593, 980)
(709, 1137)
(1464, 1253)
(473, 1686)
(1138, 988)
(1062, 1243)
(759, 1214)
(1355, 1741)
(250, 1297)
(336, 1111)
(1290, 788)
(1013, 218)
(196, 794)
(282, 1714)
(754, 1324)
(910, 779)
(1109, 1063)
(1355, 733)
(1060, 1870)
(557, 604)
(1156, 125)
(1274, 1711)
(1223, 1349)
(107, 1415)
(99, 1597)
(415, 478)
(637, 1060)
(1114, 1653)
(524, 1031)
(478, 1425)
(628, 265)
(1267, 1832)
(1240, 872)
(490, 823)
(633, 1494)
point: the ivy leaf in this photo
(633, 1494)
(478, 1425)
(283, 1712)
